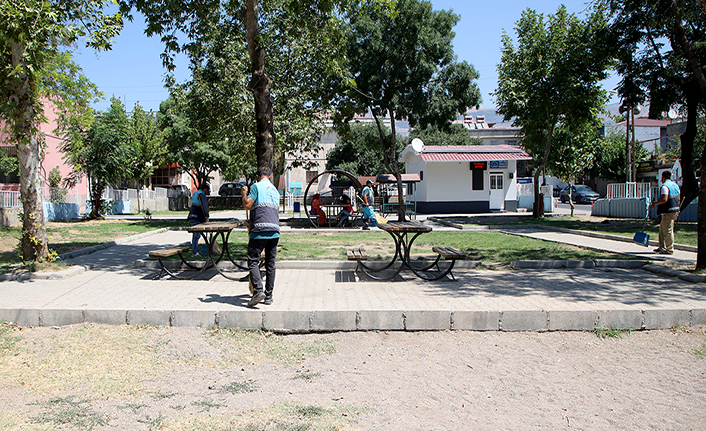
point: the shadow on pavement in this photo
(629, 287)
(239, 300)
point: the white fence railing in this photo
(629, 190)
(161, 192)
(9, 199)
(528, 189)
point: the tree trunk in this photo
(701, 220)
(690, 185)
(401, 207)
(27, 135)
(260, 85)
(536, 213)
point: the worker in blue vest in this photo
(198, 213)
(263, 204)
(668, 208)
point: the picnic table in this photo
(404, 234)
(332, 211)
(211, 232)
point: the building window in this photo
(478, 179)
(310, 175)
(496, 181)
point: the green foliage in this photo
(700, 353)
(57, 194)
(609, 157)
(552, 77)
(454, 134)
(573, 152)
(145, 143)
(358, 151)
(603, 333)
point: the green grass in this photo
(700, 353)
(486, 246)
(685, 233)
(70, 411)
(603, 333)
(64, 237)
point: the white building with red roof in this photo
(464, 179)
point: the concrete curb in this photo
(54, 275)
(370, 320)
(671, 272)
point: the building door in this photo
(497, 191)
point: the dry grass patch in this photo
(280, 417)
(108, 360)
(240, 347)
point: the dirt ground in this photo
(144, 378)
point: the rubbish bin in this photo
(297, 207)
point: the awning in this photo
(473, 157)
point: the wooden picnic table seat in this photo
(449, 253)
(357, 254)
(168, 252)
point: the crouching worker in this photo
(263, 203)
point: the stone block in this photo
(523, 320)
(620, 319)
(105, 317)
(565, 320)
(286, 321)
(665, 319)
(614, 263)
(427, 320)
(586, 264)
(475, 320)
(241, 319)
(330, 321)
(698, 317)
(197, 318)
(52, 317)
(538, 264)
(148, 317)
(383, 320)
(25, 317)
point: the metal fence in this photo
(630, 190)
(9, 199)
(528, 189)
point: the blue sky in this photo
(133, 71)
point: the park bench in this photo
(165, 253)
(356, 254)
(449, 253)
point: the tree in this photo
(572, 154)
(403, 67)
(103, 155)
(455, 134)
(34, 68)
(609, 157)
(358, 151)
(285, 32)
(676, 77)
(145, 144)
(552, 79)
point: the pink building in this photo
(53, 157)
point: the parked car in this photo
(581, 194)
(179, 190)
(230, 189)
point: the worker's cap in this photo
(369, 182)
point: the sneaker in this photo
(267, 301)
(256, 299)
(660, 251)
(366, 228)
(197, 254)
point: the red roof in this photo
(473, 153)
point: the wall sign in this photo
(498, 164)
(481, 166)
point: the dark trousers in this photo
(255, 247)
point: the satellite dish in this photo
(417, 145)
(636, 110)
(672, 114)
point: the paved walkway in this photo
(328, 297)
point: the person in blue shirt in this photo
(263, 203)
(668, 208)
(198, 213)
(368, 202)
